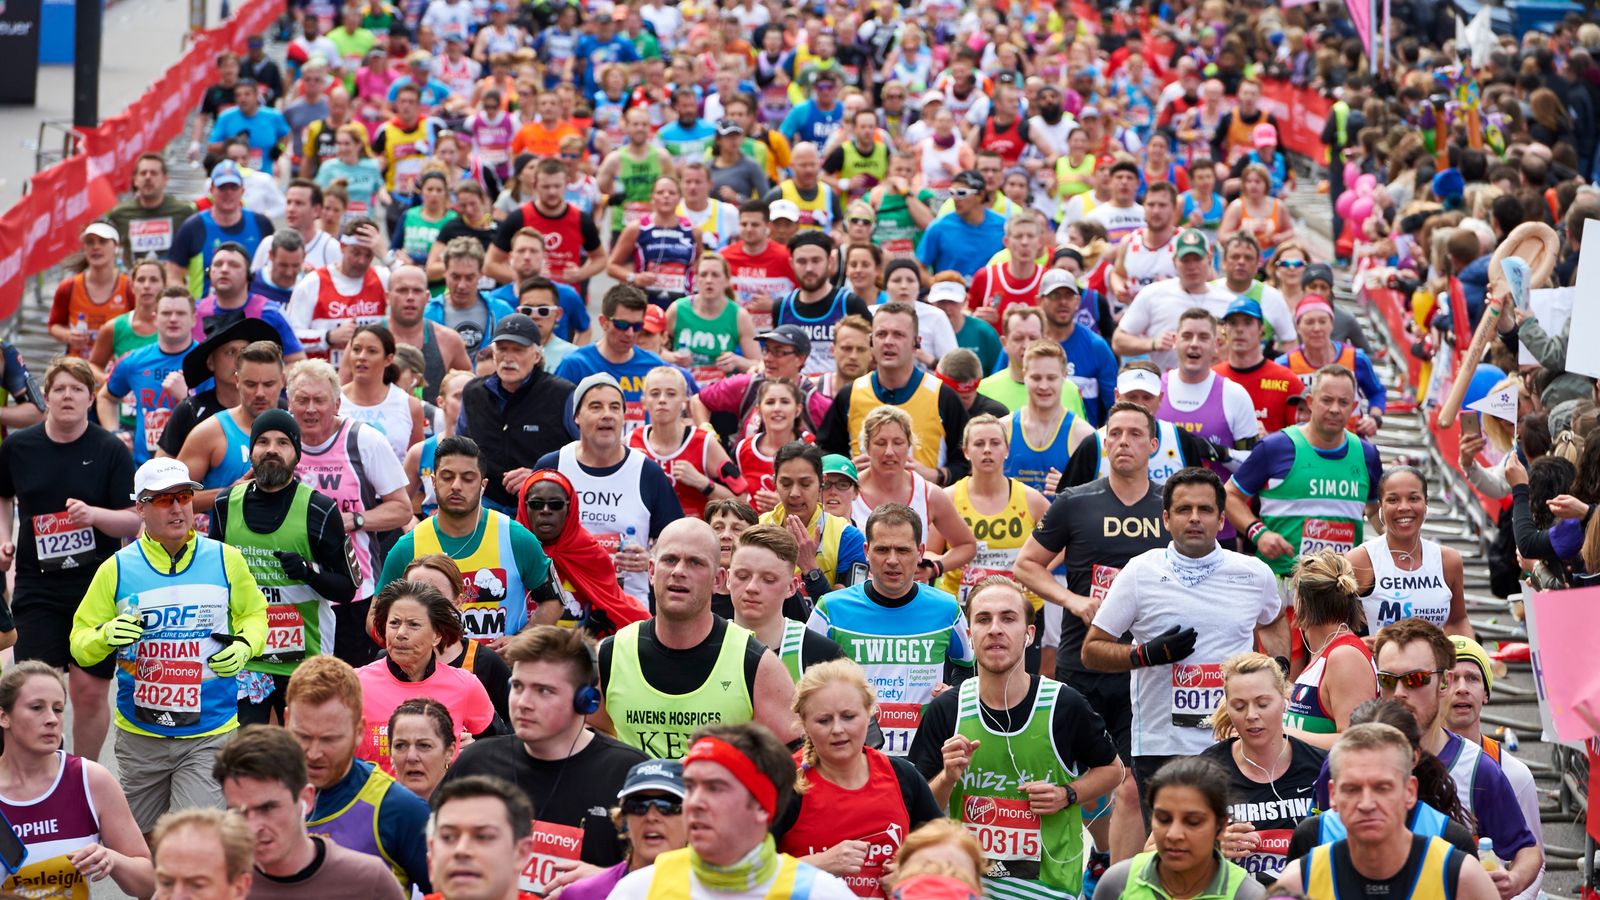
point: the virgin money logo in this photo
(982, 810)
(50, 525)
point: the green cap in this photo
(834, 464)
(1191, 241)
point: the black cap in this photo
(518, 329)
(1125, 165)
(276, 420)
(790, 336)
(971, 178)
(1317, 272)
(197, 364)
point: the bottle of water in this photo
(628, 538)
(1486, 857)
(128, 606)
(80, 329)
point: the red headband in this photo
(960, 387)
(724, 754)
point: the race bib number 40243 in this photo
(555, 849)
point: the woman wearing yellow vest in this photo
(835, 545)
(737, 778)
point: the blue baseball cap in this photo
(227, 172)
(1449, 184)
(1243, 306)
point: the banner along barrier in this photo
(42, 228)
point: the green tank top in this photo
(789, 651)
(1143, 884)
(418, 233)
(660, 723)
(124, 339)
(636, 181)
(895, 232)
(705, 339)
(1320, 503)
(1039, 856)
(299, 621)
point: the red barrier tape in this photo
(42, 228)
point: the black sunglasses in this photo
(638, 806)
(627, 326)
(536, 505)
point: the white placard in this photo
(1585, 333)
(1552, 307)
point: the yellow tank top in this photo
(1000, 538)
(672, 877)
(816, 214)
(1431, 883)
(1073, 179)
(659, 723)
(923, 407)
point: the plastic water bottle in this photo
(80, 329)
(128, 606)
(628, 538)
(1486, 857)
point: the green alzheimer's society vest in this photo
(1320, 504)
(1029, 855)
(299, 621)
(660, 723)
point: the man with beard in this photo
(504, 572)
(1051, 124)
(816, 306)
(294, 542)
(442, 348)
(217, 451)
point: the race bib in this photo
(166, 691)
(493, 156)
(899, 722)
(253, 159)
(1006, 827)
(1270, 855)
(899, 247)
(60, 544)
(552, 845)
(1100, 578)
(1196, 693)
(971, 575)
(632, 415)
(286, 632)
(406, 171)
(634, 213)
(1321, 534)
(149, 236)
(707, 374)
(671, 278)
(155, 422)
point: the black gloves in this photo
(1164, 649)
(294, 565)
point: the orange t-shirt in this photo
(542, 142)
(72, 299)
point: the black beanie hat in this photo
(276, 420)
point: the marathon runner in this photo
(218, 450)
(142, 374)
(761, 580)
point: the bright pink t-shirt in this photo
(459, 690)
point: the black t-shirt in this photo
(576, 791)
(921, 807)
(41, 475)
(217, 98)
(1099, 535)
(1307, 835)
(457, 228)
(515, 222)
(1077, 732)
(1275, 809)
(682, 671)
(495, 676)
(189, 412)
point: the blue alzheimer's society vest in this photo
(163, 683)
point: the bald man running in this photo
(664, 677)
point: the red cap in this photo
(1106, 160)
(655, 321)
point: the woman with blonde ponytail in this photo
(1340, 675)
(853, 805)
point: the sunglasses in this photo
(572, 156)
(537, 505)
(861, 221)
(183, 498)
(1292, 264)
(538, 311)
(963, 192)
(627, 326)
(1412, 680)
(638, 806)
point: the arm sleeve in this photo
(723, 396)
(402, 830)
(291, 341)
(60, 302)
(1532, 542)
(185, 244)
(954, 417)
(246, 605)
(833, 432)
(1550, 350)
(1080, 731)
(914, 793)
(394, 562)
(1371, 387)
(835, 161)
(383, 467)
(852, 549)
(507, 229)
(1121, 606)
(334, 576)
(1499, 816)
(1252, 476)
(1053, 532)
(98, 606)
(659, 497)
(1083, 465)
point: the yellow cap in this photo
(1469, 649)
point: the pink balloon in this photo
(1352, 171)
(1342, 205)
(1367, 181)
(1360, 209)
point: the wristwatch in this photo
(359, 521)
(1072, 796)
(710, 486)
(811, 574)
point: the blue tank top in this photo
(430, 502)
(819, 329)
(667, 251)
(249, 236)
(1425, 820)
(235, 460)
(1031, 465)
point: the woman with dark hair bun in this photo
(371, 395)
(1400, 574)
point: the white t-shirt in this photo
(1119, 221)
(636, 886)
(1156, 308)
(449, 18)
(1236, 402)
(1073, 212)
(321, 250)
(1055, 136)
(1224, 608)
(750, 17)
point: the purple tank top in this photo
(1208, 421)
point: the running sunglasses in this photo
(963, 192)
(1292, 264)
(861, 221)
(627, 326)
(1412, 680)
(538, 311)
(638, 806)
(181, 497)
(536, 505)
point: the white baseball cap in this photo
(947, 291)
(1130, 380)
(783, 209)
(160, 475)
(102, 230)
